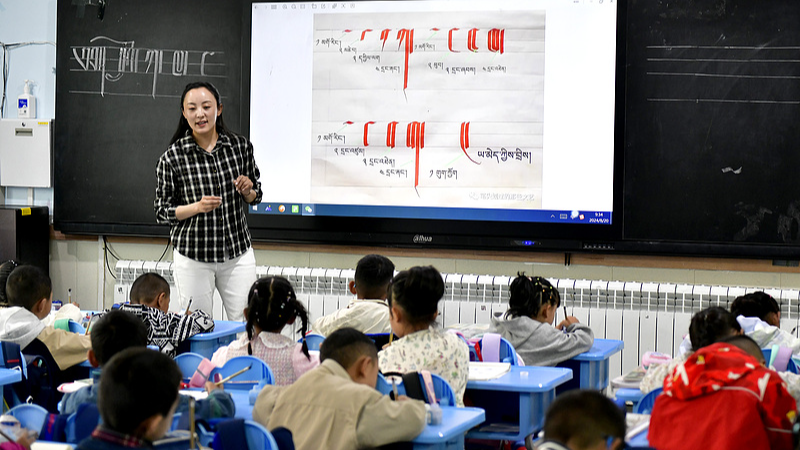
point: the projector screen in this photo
(499, 112)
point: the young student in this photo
(723, 397)
(414, 306)
(369, 312)
(272, 305)
(336, 405)
(137, 399)
(30, 296)
(583, 420)
(528, 324)
(149, 298)
(760, 317)
(117, 331)
(706, 327)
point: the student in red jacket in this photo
(723, 397)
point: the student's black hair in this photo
(755, 304)
(346, 345)
(147, 287)
(116, 331)
(373, 275)
(27, 285)
(183, 125)
(136, 384)
(418, 291)
(745, 343)
(5, 270)
(584, 417)
(711, 325)
(528, 295)
(271, 304)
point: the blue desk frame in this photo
(516, 402)
(591, 368)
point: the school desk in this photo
(449, 435)
(629, 395)
(516, 402)
(207, 343)
(591, 368)
(9, 376)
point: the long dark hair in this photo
(183, 125)
(528, 295)
(272, 304)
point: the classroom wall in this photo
(78, 262)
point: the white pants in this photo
(232, 278)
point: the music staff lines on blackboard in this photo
(426, 108)
(126, 59)
(723, 74)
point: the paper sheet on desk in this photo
(67, 388)
(198, 395)
(39, 445)
(480, 371)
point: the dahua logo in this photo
(420, 239)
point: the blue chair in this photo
(82, 422)
(188, 363)
(313, 340)
(69, 325)
(790, 367)
(258, 375)
(444, 392)
(380, 339)
(258, 438)
(645, 405)
(30, 416)
(504, 349)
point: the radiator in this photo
(646, 316)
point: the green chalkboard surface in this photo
(118, 88)
(712, 143)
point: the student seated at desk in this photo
(137, 399)
(150, 302)
(528, 324)
(117, 331)
(369, 312)
(414, 305)
(271, 306)
(707, 327)
(336, 405)
(583, 420)
(760, 317)
(722, 397)
(30, 298)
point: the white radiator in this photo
(646, 316)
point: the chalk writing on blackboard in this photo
(116, 59)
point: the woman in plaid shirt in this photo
(206, 178)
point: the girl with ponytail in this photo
(272, 304)
(528, 324)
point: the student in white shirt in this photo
(368, 312)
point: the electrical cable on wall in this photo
(6, 63)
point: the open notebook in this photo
(479, 371)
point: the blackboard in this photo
(712, 143)
(118, 87)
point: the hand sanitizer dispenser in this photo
(26, 103)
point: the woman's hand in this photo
(208, 203)
(243, 185)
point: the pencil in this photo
(236, 374)
(565, 311)
(189, 305)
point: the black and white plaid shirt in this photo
(185, 174)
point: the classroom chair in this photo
(645, 405)
(313, 340)
(69, 325)
(259, 373)
(442, 389)
(188, 363)
(30, 416)
(380, 339)
(256, 436)
(494, 348)
(82, 422)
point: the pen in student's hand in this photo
(188, 306)
(565, 311)
(236, 374)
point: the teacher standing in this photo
(205, 179)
